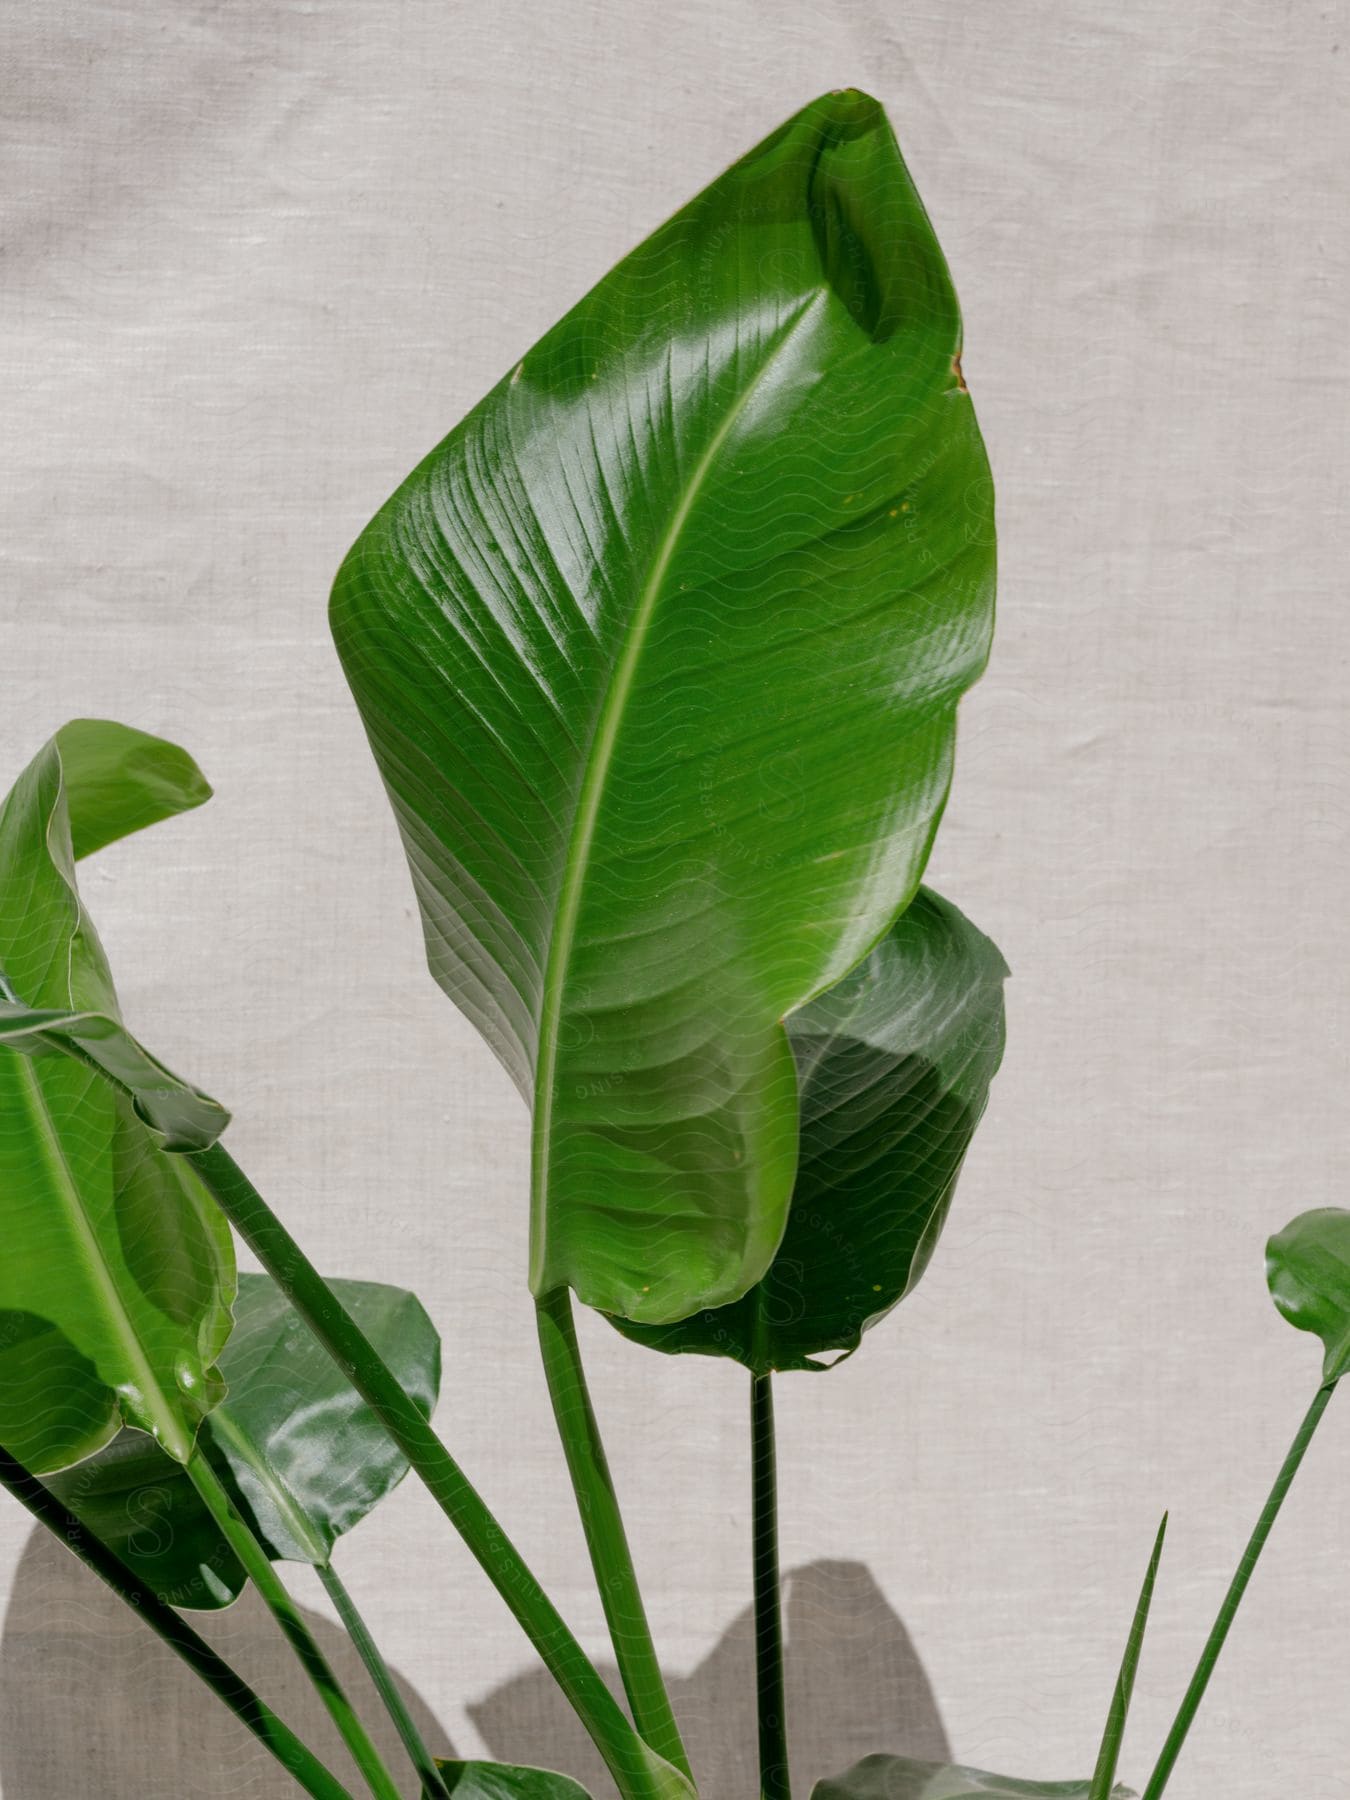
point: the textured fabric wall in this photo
(259, 257)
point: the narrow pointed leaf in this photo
(901, 1778)
(659, 654)
(1119, 1711)
(118, 1268)
(507, 1781)
(1308, 1273)
(299, 1450)
(894, 1067)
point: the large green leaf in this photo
(659, 654)
(118, 1268)
(297, 1446)
(894, 1066)
(1308, 1272)
(901, 1778)
(507, 1781)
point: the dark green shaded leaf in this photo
(118, 1268)
(659, 654)
(1308, 1273)
(900, 1778)
(141, 1505)
(300, 1452)
(894, 1066)
(507, 1781)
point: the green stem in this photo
(256, 1565)
(774, 1783)
(638, 1772)
(433, 1785)
(275, 1737)
(1195, 1693)
(602, 1523)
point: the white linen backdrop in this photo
(258, 259)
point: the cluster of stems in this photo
(644, 1752)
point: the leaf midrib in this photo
(598, 759)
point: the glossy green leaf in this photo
(507, 1781)
(894, 1066)
(901, 1778)
(118, 1268)
(302, 1454)
(659, 654)
(305, 1450)
(1308, 1273)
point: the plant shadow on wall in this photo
(854, 1679)
(83, 1686)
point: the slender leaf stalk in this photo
(254, 1714)
(1195, 1693)
(774, 1783)
(257, 1566)
(638, 1772)
(1119, 1711)
(602, 1522)
(433, 1786)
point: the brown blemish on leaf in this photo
(956, 370)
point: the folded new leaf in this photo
(659, 654)
(294, 1442)
(179, 1117)
(894, 1066)
(1308, 1273)
(118, 1268)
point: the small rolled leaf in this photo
(1308, 1273)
